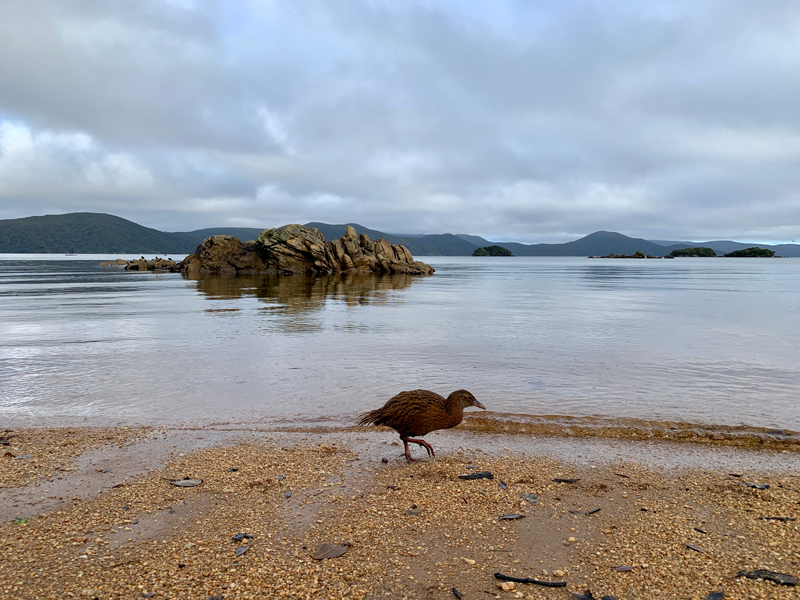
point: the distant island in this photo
(755, 251)
(693, 252)
(492, 251)
(637, 254)
(96, 233)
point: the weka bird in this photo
(418, 412)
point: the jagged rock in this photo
(225, 254)
(297, 249)
(142, 264)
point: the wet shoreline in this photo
(490, 423)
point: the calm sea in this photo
(709, 341)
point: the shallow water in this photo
(710, 341)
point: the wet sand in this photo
(92, 514)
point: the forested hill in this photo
(88, 233)
(599, 243)
(97, 233)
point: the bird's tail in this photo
(369, 418)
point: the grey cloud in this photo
(512, 120)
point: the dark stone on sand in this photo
(756, 486)
(480, 475)
(779, 578)
(502, 577)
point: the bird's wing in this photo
(409, 407)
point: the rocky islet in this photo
(289, 250)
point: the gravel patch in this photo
(406, 531)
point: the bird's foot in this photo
(424, 444)
(409, 458)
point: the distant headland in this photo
(88, 233)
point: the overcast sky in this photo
(535, 121)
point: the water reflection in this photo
(304, 293)
(613, 276)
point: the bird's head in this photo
(466, 399)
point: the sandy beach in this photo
(92, 513)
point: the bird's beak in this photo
(478, 404)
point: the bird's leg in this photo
(424, 444)
(407, 453)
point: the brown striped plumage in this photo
(418, 412)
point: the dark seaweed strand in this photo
(502, 577)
